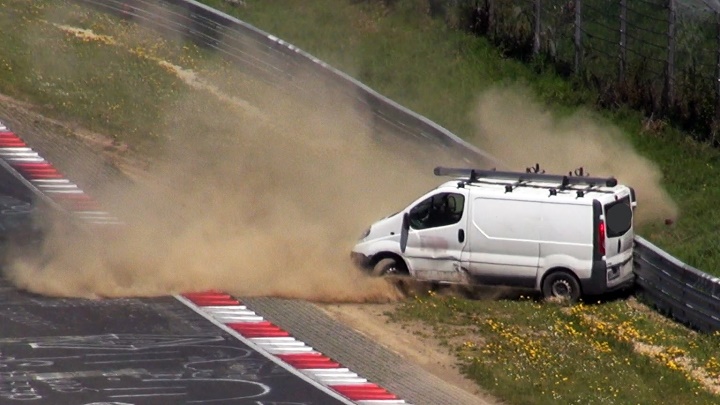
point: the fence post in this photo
(578, 37)
(536, 39)
(717, 67)
(491, 19)
(623, 41)
(669, 91)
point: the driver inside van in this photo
(438, 210)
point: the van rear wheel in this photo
(561, 285)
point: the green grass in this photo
(105, 88)
(527, 352)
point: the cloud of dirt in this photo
(244, 203)
(518, 131)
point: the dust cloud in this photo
(518, 131)
(253, 205)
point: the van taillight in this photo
(601, 238)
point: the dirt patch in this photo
(410, 341)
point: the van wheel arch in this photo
(385, 259)
(561, 283)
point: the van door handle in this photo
(461, 235)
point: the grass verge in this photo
(527, 352)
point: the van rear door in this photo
(619, 234)
(618, 223)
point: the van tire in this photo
(387, 267)
(561, 285)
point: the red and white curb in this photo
(42, 175)
(219, 308)
(278, 345)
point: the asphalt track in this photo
(132, 351)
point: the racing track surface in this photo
(132, 351)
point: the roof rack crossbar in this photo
(530, 185)
(475, 174)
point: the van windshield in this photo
(618, 217)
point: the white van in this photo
(563, 235)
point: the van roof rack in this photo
(474, 175)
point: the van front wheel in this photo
(387, 267)
(561, 285)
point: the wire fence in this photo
(661, 56)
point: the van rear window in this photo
(618, 217)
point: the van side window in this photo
(439, 210)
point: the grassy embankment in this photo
(522, 351)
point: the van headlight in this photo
(365, 234)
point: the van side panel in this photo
(566, 237)
(503, 241)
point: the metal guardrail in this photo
(676, 289)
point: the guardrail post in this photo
(491, 19)
(669, 90)
(717, 73)
(578, 36)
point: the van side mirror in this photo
(404, 232)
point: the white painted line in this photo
(49, 181)
(230, 314)
(211, 308)
(239, 318)
(343, 381)
(230, 310)
(332, 373)
(296, 343)
(18, 153)
(16, 149)
(76, 191)
(292, 350)
(22, 159)
(58, 186)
